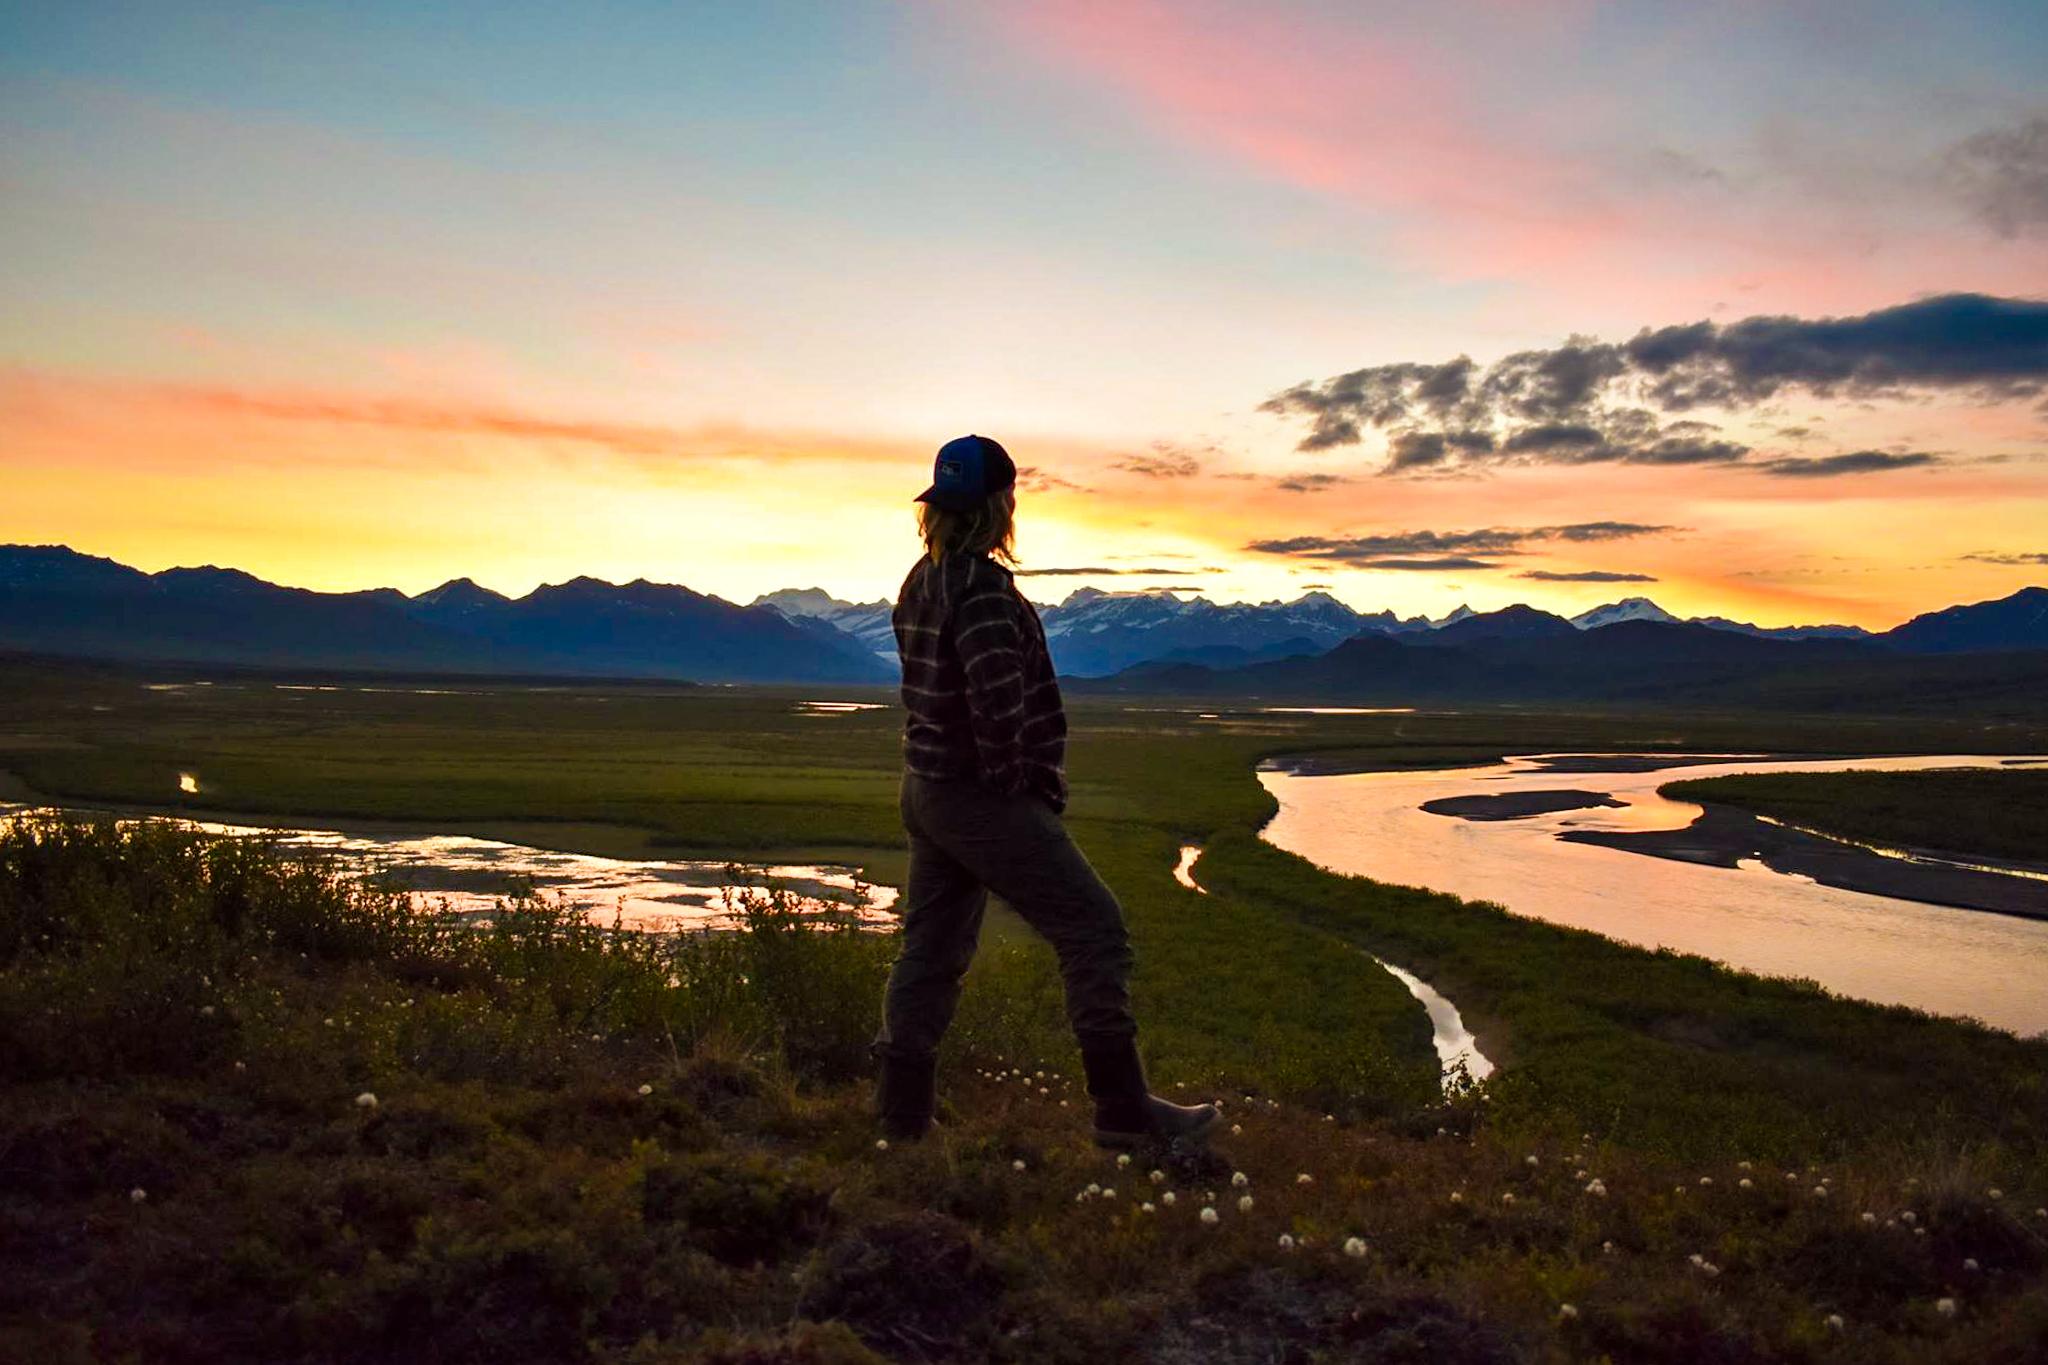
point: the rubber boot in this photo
(1127, 1114)
(905, 1095)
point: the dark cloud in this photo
(2010, 560)
(1163, 463)
(1310, 483)
(1853, 462)
(1446, 549)
(1105, 569)
(1585, 576)
(1032, 479)
(2001, 174)
(1426, 565)
(1590, 402)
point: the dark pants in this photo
(966, 841)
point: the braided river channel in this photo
(1586, 840)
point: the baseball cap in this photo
(966, 470)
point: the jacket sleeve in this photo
(988, 636)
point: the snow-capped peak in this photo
(1627, 609)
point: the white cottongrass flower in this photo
(1145, 1207)
(1742, 1165)
(1566, 1312)
(1081, 1197)
(1697, 1260)
(241, 1066)
(1237, 1130)
(137, 1195)
(1994, 1194)
(1306, 1179)
(1168, 1198)
(1209, 1215)
(1017, 1165)
(1530, 1160)
(1835, 1323)
(2041, 1213)
(1244, 1205)
(1869, 1219)
(646, 1089)
(1706, 1180)
(206, 1011)
(328, 1022)
(1578, 1175)
(1607, 1248)
(1240, 1179)
(1970, 1264)
(1286, 1242)
(1909, 1217)
(1945, 1307)
(881, 1144)
(1820, 1191)
(1457, 1196)
(1158, 1177)
(1597, 1188)
(1354, 1246)
(1094, 1188)
(366, 1101)
(1746, 1183)
(1508, 1198)
(1123, 1159)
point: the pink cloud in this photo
(1476, 182)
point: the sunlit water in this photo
(1455, 1045)
(467, 876)
(1949, 961)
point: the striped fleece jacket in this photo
(978, 681)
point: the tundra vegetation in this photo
(258, 1108)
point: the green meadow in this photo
(195, 1020)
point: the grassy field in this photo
(1993, 814)
(1667, 1067)
(255, 1112)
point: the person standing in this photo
(984, 787)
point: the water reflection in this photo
(1456, 1047)
(469, 876)
(1963, 962)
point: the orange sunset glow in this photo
(696, 303)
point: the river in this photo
(470, 876)
(1993, 967)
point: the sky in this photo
(1742, 307)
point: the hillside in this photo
(56, 601)
(256, 1112)
(1530, 657)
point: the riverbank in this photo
(1724, 836)
(1963, 814)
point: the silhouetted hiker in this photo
(983, 789)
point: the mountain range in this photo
(1093, 633)
(56, 600)
(1988, 657)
